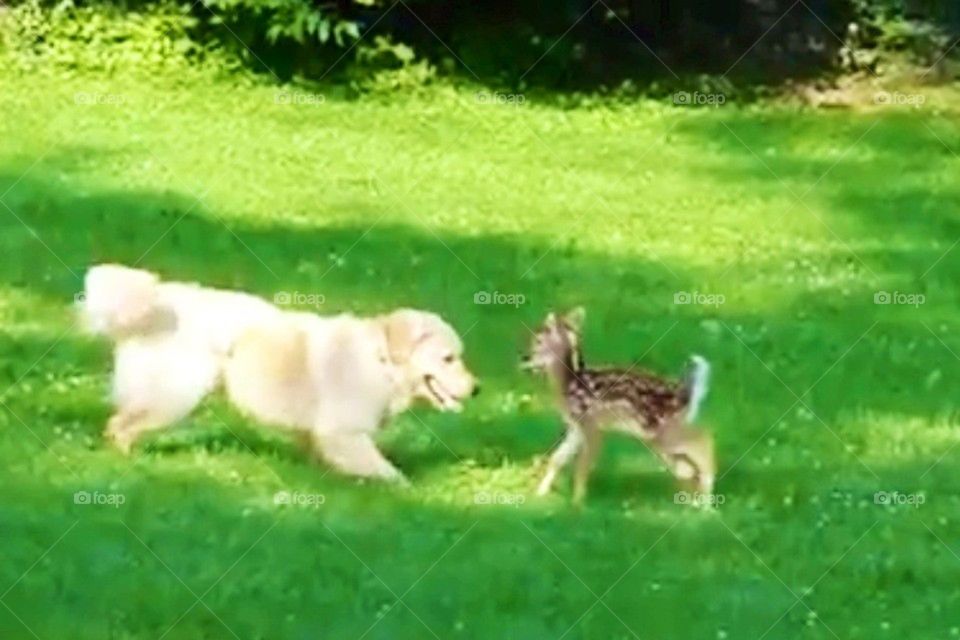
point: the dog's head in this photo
(118, 300)
(430, 354)
(556, 342)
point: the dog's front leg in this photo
(357, 455)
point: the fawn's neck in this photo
(566, 368)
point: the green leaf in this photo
(324, 30)
(274, 32)
(352, 29)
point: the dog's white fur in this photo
(336, 379)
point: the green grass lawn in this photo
(820, 398)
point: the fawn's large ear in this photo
(574, 318)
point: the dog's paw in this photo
(395, 477)
(120, 441)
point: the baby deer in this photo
(655, 410)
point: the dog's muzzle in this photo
(442, 398)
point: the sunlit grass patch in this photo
(903, 439)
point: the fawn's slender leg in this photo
(561, 457)
(688, 453)
(585, 459)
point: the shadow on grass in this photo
(761, 357)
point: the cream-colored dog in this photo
(336, 379)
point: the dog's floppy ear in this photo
(574, 318)
(404, 329)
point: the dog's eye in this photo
(449, 358)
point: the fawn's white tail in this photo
(698, 380)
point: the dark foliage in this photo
(572, 43)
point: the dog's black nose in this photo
(476, 390)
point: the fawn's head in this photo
(555, 346)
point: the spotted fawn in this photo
(655, 410)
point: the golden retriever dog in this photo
(339, 379)
(334, 379)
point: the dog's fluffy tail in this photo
(697, 382)
(118, 300)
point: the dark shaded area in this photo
(583, 44)
(570, 44)
(577, 44)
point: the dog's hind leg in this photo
(356, 455)
(126, 426)
(118, 429)
(156, 383)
